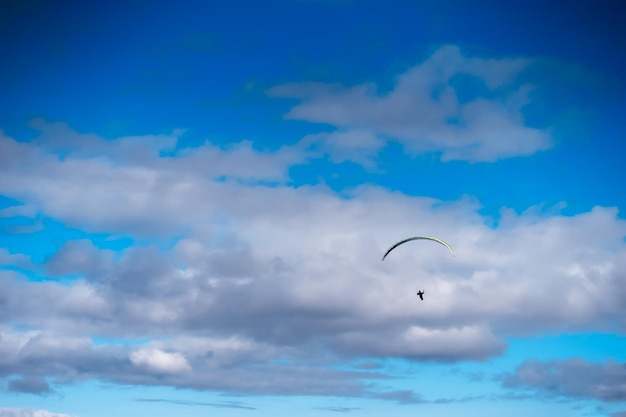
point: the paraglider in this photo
(420, 293)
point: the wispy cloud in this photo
(450, 400)
(575, 377)
(401, 396)
(466, 108)
(338, 409)
(225, 404)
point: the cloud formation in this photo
(160, 362)
(572, 378)
(29, 385)
(44, 172)
(265, 289)
(466, 108)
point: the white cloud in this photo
(28, 412)
(113, 185)
(424, 113)
(158, 361)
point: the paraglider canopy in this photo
(434, 239)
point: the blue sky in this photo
(195, 196)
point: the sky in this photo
(195, 197)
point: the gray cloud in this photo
(443, 400)
(29, 386)
(79, 257)
(183, 364)
(437, 344)
(14, 259)
(401, 396)
(572, 378)
(424, 111)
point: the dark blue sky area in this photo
(109, 61)
(139, 67)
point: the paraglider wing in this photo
(434, 239)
